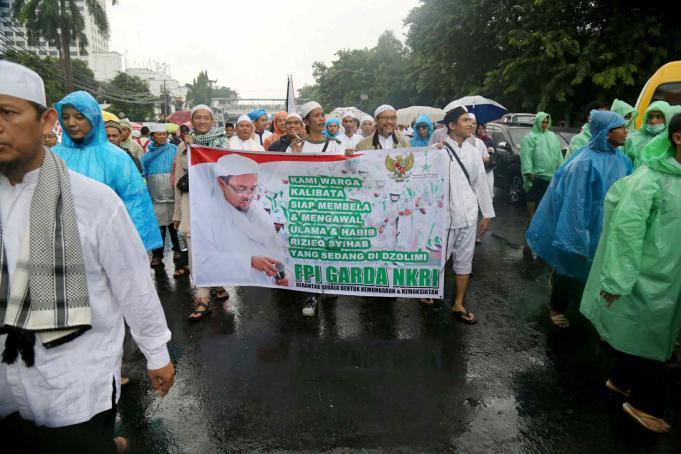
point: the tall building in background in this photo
(16, 35)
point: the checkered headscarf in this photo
(48, 294)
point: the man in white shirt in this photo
(315, 142)
(468, 193)
(60, 370)
(385, 136)
(349, 139)
(243, 140)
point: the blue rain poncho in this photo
(331, 121)
(417, 141)
(567, 225)
(102, 161)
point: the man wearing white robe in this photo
(71, 388)
(243, 139)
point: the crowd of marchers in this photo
(82, 220)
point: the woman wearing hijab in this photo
(423, 130)
(205, 134)
(332, 128)
(85, 149)
(279, 129)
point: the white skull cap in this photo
(308, 107)
(235, 164)
(19, 81)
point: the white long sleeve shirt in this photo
(235, 143)
(465, 198)
(71, 383)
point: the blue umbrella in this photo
(485, 110)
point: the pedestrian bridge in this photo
(229, 109)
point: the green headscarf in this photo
(638, 140)
(624, 109)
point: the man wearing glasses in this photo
(244, 239)
(385, 136)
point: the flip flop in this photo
(464, 317)
(200, 314)
(640, 417)
(614, 388)
(560, 321)
(181, 272)
(221, 295)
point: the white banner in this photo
(372, 224)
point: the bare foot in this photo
(427, 301)
(121, 445)
(559, 320)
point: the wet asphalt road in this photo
(374, 375)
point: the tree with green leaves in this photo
(537, 54)
(60, 23)
(124, 83)
(363, 78)
(201, 90)
(49, 69)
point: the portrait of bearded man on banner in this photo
(245, 243)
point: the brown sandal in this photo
(197, 314)
(644, 419)
(181, 272)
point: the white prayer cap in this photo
(235, 164)
(294, 115)
(136, 133)
(202, 107)
(243, 118)
(472, 115)
(349, 113)
(308, 107)
(383, 108)
(366, 118)
(157, 127)
(19, 81)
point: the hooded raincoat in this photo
(417, 141)
(579, 140)
(660, 143)
(540, 153)
(332, 121)
(567, 225)
(637, 141)
(102, 161)
(157, 165)
(624, 109)
(639, 258)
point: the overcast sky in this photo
(249, 46)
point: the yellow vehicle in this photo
(665, 85)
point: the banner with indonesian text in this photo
(373, 224)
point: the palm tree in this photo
(60, 23)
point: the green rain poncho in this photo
(639, 139)
(540, 153)
(624, 109)
(659, 145)
(579, 140)
(639, 258)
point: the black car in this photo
(507, 138)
